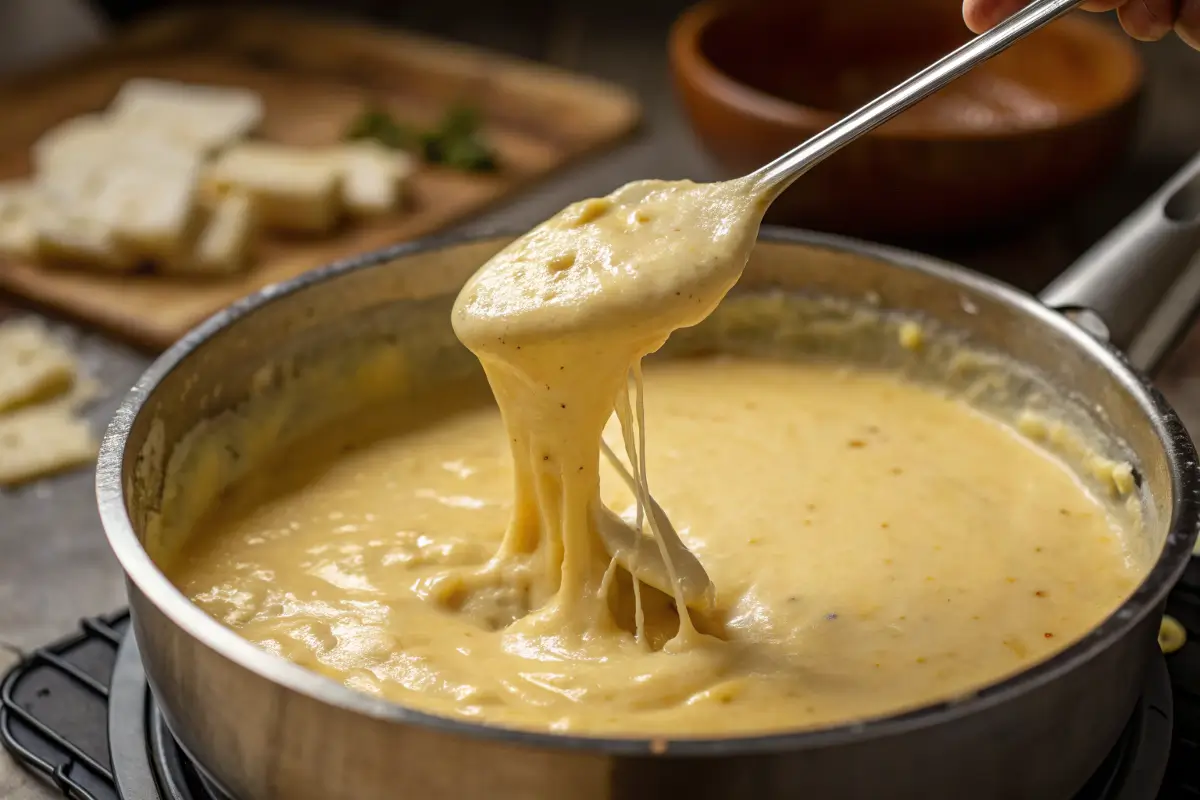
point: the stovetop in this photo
(79, 713)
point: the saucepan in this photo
(266, 729)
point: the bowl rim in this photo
(692, 66)
(143, 574)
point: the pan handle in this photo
(1115, 289)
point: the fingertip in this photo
(1140, 35)
(971, 16)
(981, 15)
(1190, 37)
(1187, 27)
(1146, 20)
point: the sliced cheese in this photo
(97, 138)
(83, 391)
(150, 210)
(133, 202)
(373, 176)
(34, 365)
(289, 188)
(18, 217)
(206, 117)
(39, 441)
(79, 139)
(225, 242)
(68, 233)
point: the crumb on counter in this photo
(1171, 635)
(912, 337)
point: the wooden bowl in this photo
(1014, 137)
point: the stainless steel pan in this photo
(266, 729)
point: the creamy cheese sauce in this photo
(849, 545)
(874, 546)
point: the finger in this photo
(1188, 24)
(980, 15)
(1147, 20)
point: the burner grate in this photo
(63, 687)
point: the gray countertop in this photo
(54, 563)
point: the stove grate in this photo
(63, 687)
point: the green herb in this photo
(461, 121)
(378, 125)
(456, 142)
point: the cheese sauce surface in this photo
(849, 545)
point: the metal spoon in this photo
(776, 176)
(640, 555)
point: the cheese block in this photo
(151, 210)
(83, 391)
(205, 117)
(373, 176)
(117, 209)
(69, 234)
(39, 441)
(290, 188)
(79, 139)
(18, 210)
(97, 138)
(225, 240)
(34, 365)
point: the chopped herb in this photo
(456, 141)
(467, 154)
(375, 123)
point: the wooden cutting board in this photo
(315, 76)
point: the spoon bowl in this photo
(640, 554)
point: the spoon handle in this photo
(776, 176)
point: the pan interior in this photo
(344, 347)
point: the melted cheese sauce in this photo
(848, 545)
(875, 546)
(560, 321)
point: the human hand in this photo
(1145, 20)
